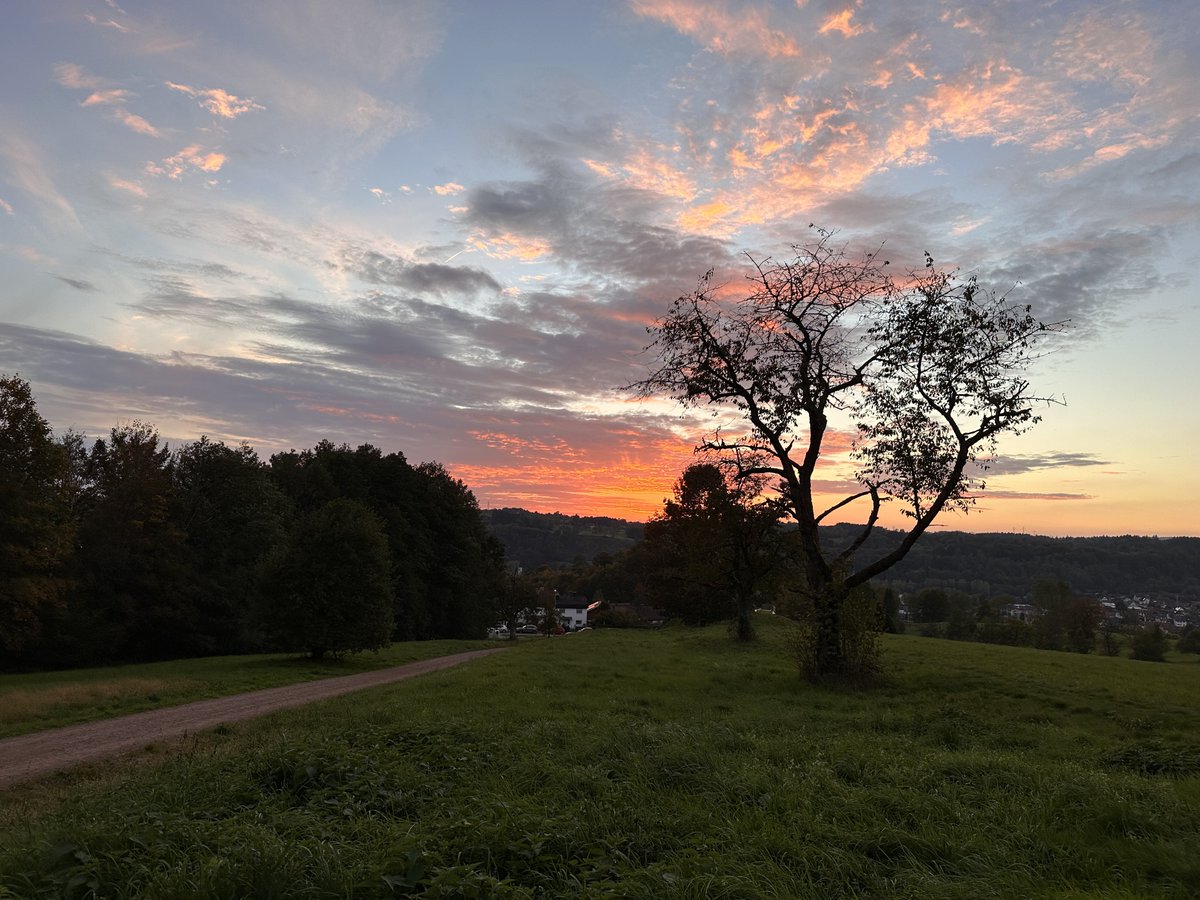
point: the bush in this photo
(862, 623)
(1149, 645)
(1189, 641)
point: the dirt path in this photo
(31, 755)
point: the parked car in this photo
(527, 629)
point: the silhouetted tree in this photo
(36, 529)
(328, 590)
(929, 370)
(712, 549)
(232, 516)
(134, 597)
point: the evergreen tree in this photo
(36, 529)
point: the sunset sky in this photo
(442, 227)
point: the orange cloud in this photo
(647, 170)
(840, 22)
(105, 97)
(174, 166)
(217, 101)
(509, 246)
(448, 189)
(743, 31)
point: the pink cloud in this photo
(106, 23)
(509, 246)
(106, 97)
(174, 166)
(218, 101)
(135, 122)
(122, 185)
(448, 189)
(6, 206)
(72, 75)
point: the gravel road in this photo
(31, 755)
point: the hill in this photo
(535, 539)
(672, 764)
(980, 564)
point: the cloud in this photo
(191, 156)
(745, 30)
(217, 101)
(131, 187)
(448, 189)
(106, 23)
(79, 284)
(1032, 495)
(27, 172)
(380, 39)
(437, 279)
(840, 22)
(1018, 465)
(6, 206)
(136, 123)
(336, 117)
(105, 97)
(73, 75)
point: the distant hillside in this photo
(553, 539)
(982, 564)
(989, 564)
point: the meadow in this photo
(38, 700)
(657, 764)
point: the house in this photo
(1022, 612)
(573, 611)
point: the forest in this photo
(983, 564)
(124, 549)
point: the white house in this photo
(573, 611)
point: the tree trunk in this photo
(829, 656)
(745, 628)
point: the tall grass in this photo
(671, 764)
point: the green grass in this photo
(668, 764)
(36, 701)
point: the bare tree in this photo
(926, 369)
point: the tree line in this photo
(124, 549)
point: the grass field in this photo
(667, 764)
(35, 701)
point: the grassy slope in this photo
(32, 702)
(669, 764)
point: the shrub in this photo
(862, 623)
(1189, 641)
(1149, 645)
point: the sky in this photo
(443, 228)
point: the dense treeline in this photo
(533, 540)
(123, 548)
(979, 564)
(989, 564)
